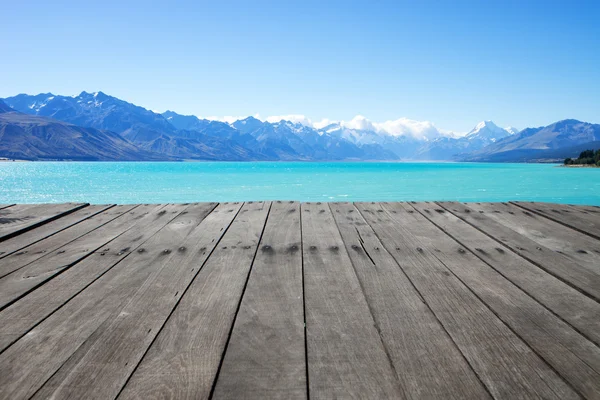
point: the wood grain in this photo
(506, 365)
(20, 282)
(16, 220)
(184, 360)
(265, 355)
(62, 339)
(427, 362)
(46, 247)
(107, 364)
(566, 216)
(571, 355)
(571, 305)
(288, 300)
(552, 262)
(28, 238)
(580, 248)
(346, 356)
(23, 315)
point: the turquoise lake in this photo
(157, 182)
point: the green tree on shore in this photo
(586, 157)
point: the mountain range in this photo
(96, 126)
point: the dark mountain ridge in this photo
(32, 137)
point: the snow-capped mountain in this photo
(487, 130)
(564, 138)
(95, 110)
(512, 130)
(174, 136)
(447, 148)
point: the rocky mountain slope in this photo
(558, 140)
(31, 137)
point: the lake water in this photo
(157, 182)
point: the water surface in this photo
(162, 182)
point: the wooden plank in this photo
(63, 338)
(346, 356)
(18, 283)
(591, 211)
(265, 355)
(574, 357)
(47, 246)
(550, 261)
(571, 305)
(129, 334)
(23, 315)
(3, 206)
(28, 238)
(14, 221)
(565, 216)
(183, 361)
(426, 360)
(580, 248)
(505, 364)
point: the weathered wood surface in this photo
(288, 300)
(265, 356)
(554, 263)
(44, 248)
(566, 302)
(575, 358)
(17, 319)
(581, 248)
(34, 358)
(183, 362)
(346, 356)
(30, 237)
(565, 215)
(18, 219)
(488, 344)
(426, 360)
(27, 278)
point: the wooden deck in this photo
(288, 300)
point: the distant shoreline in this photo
(404, 161)
(579, 166)
(12, 160)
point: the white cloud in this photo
(398, 127)
(323, 123)
(409, 127)
(452, 134)
(359, 122)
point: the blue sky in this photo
(454, 63)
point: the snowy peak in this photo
(485, 126)
(487, 130)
